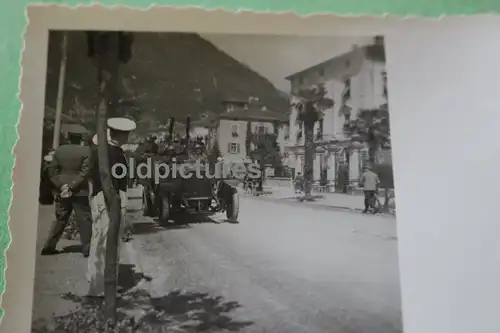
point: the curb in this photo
(290, 200)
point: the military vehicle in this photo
(186, 190)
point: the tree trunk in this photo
(107, 66)
(372, 153)
(60, 91)
(309, 154)
(248, 139)
(347, 152)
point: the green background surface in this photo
(12, 19)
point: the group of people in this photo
(171, 147)
(73, 171)
(254, 185)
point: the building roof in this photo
(209, 121)
(206, 123)
(254, 115)
(235, 100)
(349, 62)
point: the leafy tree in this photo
(372, 128)
(311, 106)
(266, 150)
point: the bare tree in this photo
(108, 49)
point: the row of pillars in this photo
(330, 163)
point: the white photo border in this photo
(444, 97)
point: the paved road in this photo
(63, 273)
(291, 268)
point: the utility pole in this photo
(60, 91)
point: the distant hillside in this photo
(284, 94)
(170, 74)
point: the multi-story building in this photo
(355, 81)
(240, 120)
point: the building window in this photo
(261, 129)
(301, 80)
(233, 148)
(234, 130)
(322, 72)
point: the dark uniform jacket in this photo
(71, 165)
(116, 156)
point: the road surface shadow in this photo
(146, 228)
(143, 225)
(139, 313)
(128, 278)
(200, 312)
(72, 249)
(193, 218)
(178, 310)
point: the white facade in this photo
(232, 134)
(366, 80)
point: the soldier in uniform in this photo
(69, 171)
(118, 133)
(153, 145)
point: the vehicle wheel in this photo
(146, 204)
(233, 207)
(164, 209)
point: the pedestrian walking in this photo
(118, 133)
(299, 183)
(370, 182)
(68, 170)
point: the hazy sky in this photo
(275, 57)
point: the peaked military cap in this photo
(121, 124)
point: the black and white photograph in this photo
(196, 182)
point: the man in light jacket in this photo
(370, 182)
(118, 133)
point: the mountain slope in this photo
(170, 74)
